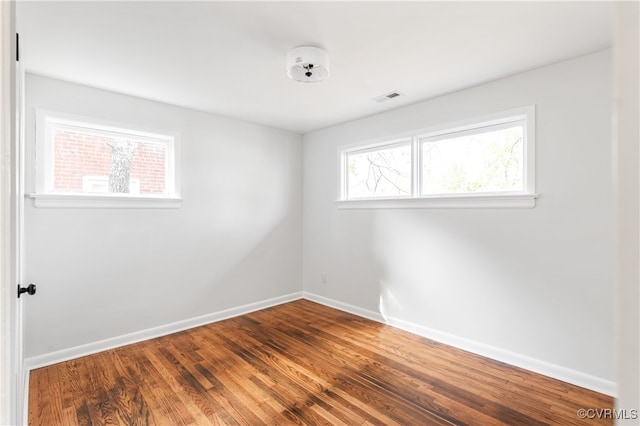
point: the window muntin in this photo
(79, 157)
(481, 160)
(380, 172)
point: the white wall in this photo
(236, 240)
(535, 283)
(626, 138)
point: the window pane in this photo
(97, 163)
(381, 173)
(484, 162)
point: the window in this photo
(380, 172)
(487, 162)
(486, 159)
(86, 163)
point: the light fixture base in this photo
(307, 64)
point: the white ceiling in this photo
(228, 58)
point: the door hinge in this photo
(17, 47)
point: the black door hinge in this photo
(17, 47)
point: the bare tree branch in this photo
(380, 168)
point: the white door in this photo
(12, 383)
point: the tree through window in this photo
(384, 172)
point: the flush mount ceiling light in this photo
(307, 64)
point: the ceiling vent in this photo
(307, 64)
(386, 97)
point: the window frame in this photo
(47, 121)
(503, 199)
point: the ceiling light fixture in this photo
(307, 64)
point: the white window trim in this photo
(482, 201)
(97, 201)
(43, 195)
(524, 199)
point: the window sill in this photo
(522, 201)
(77, 201)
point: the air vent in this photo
(386, 97)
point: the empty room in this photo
(320, 213)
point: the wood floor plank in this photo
(455, 373)
(357, 364)
(40, 408)
(300, 363)
(237, 381)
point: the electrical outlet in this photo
(323, 278)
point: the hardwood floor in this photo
(299, 363)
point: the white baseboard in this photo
(554, 371)
(151, 333)
(355, 310)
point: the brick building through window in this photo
(82, 162)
